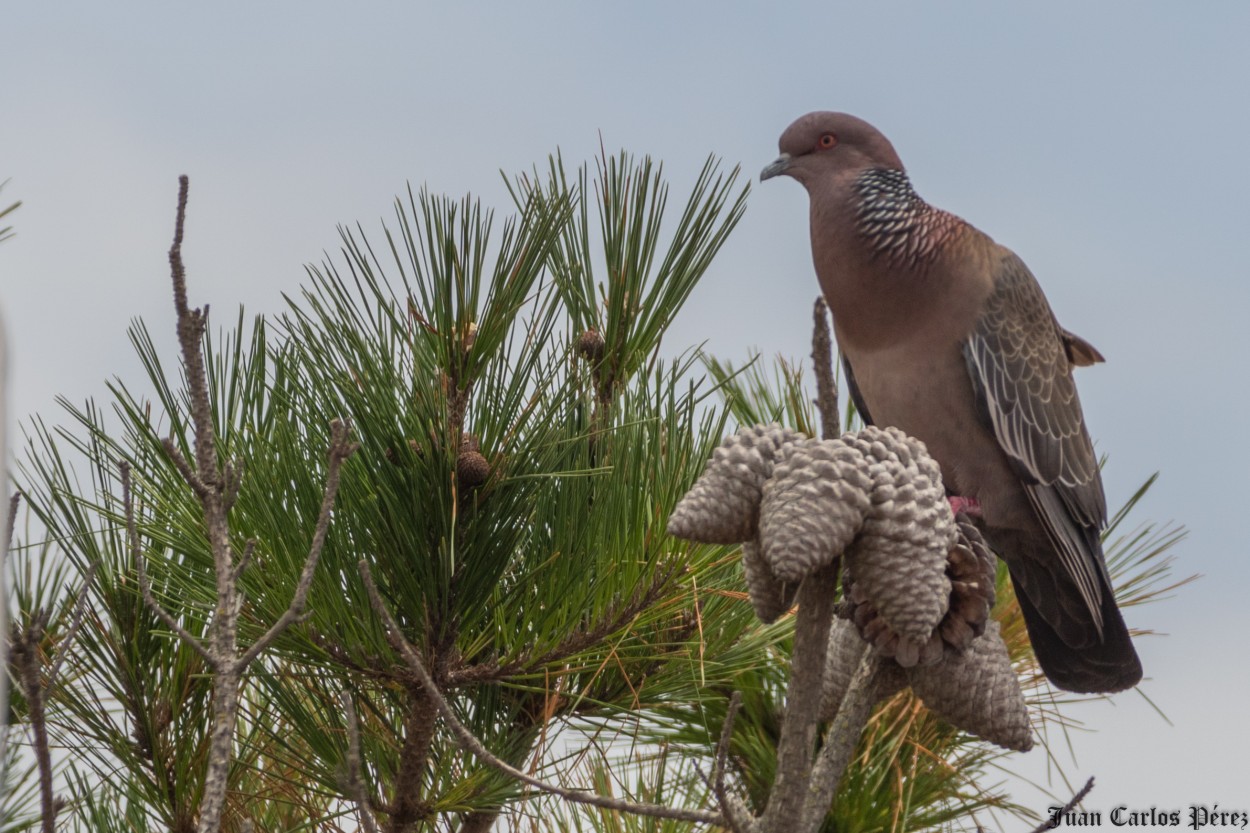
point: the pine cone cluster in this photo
(918, 584)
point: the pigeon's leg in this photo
(970, 506)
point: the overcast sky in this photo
(1104, 142)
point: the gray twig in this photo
(470, 743)
(201, 489)
(739, 818)
(244, 560)
(1067, 808)
(355, 769)
(23, 655)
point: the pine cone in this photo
(769, 596)
(723, 506)
(895, 573)
(472, 470)
(590, 346)
(978, 691)
(842, 659)
(876, 631)
(813, 507)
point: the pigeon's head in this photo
(821, 145)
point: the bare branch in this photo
(145, 585)
(739, 818)
(206, 479)
(202, 492)
(798, 732)
(24, 655)
(355, 770)
(249, 549)
(840, 741)
(722, 746)
(1067, 808)
(191, 325)
(80, 612)
(822, 364)
(340, 449)
(469, 742)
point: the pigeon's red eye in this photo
(827, 141)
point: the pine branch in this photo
(340, 449)
(24, 655)
(216, 487)
(577, 641)
(470, 743)
(840, 740)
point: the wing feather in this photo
(1018, 358)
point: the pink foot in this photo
(970, 506)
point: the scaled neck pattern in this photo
(896, 223)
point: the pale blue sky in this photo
(1104, 142)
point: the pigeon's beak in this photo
(777, 168)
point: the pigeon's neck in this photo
(896, 223)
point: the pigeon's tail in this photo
(1076, 651)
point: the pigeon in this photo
(947, 336)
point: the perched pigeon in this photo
(947, 335)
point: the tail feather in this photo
(1073, 651)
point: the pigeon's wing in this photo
(856, 396)
(1017, 356)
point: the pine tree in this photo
(522, 440)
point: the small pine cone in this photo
(472, 469)
(469, 442)
(898, 564)
(723, 506)
(590, 346)
(970, 566)
(769, 596)
(813, 507)
(978, 691)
